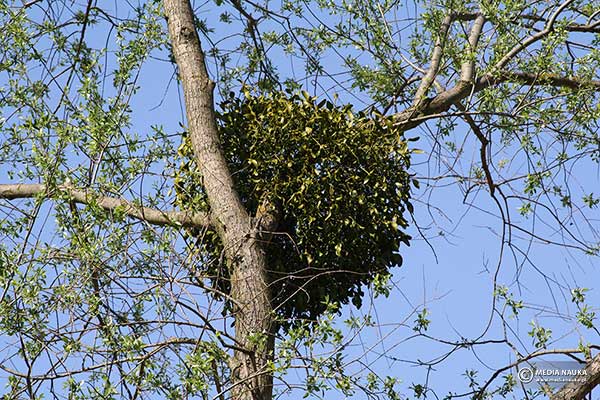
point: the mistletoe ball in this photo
(340, 182)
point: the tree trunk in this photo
(250, 376)
(579, 390)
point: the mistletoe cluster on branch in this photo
(336, 182)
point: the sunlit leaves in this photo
(422, 322)
(585, 315)
(202, 368)
(541, 336)
(514, 305)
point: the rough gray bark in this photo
(251, 377)
(579, 390)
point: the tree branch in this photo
(226, 207)
(578, 390)
(434, 65)
(467, 69)
(522, 359)
(523, 44)
(590, 28)
(545, 79)
(467, 84)
(246, 260)
(150, 215)
(482, 149)
(410, 118)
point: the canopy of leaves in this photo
(339, 181)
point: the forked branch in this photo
(434, 65)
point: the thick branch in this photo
(573, 27)
(226, 208)
(467, 84)
(467, 70)
(590, 28)
(411, 117)
(245, 257)
(546, 79)
(579, 390)
(436, 58)
(150, 215)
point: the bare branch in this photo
(150, 215)
(434, 66)
(467, 69)
(27, 4)
(531, 39)
(411, 117)
(521, 360)
(483, 148)
(546, 79)
(591, 28)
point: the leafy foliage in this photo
(96, 304)
(341, 184)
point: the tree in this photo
(117, 286)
